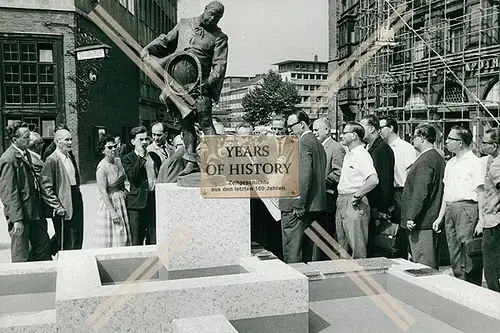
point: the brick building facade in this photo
(43, 83)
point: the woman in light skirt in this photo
(112, 227)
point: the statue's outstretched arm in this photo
(162, 45)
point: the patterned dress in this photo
(107, 233)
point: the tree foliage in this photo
(273, 96)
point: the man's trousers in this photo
(352, 224)
(34, 236)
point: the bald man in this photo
(60, 182)
(335, 154)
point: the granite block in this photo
(34, 322)
(219, 229)
(207, 324)
(29, 290)
(28, 267)
(318, 270)
(268, 288)
(464, 293)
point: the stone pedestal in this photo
(219, 228)
(207, 324)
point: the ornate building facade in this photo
(59, 66)
(423, 60)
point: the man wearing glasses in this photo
(298, 213)
(422, 196)
(463, 181)
(404, 156)
(489, 225)
(357, 178)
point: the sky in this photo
(262, 32)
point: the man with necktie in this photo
(20, 195)
(141, 168)
(159, 146)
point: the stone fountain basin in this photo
(28, 294)
(95, 289)
(119, 271)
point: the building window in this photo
(29, 69)
(306, 76)
(456, 42)
(293, 75)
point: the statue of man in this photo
(201, 37)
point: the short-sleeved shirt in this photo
(404, 156)
(357, 167)
(491, 207)
(462, 177)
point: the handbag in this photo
(385, 233)
(473, 254)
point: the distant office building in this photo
(234, 88)
(59, 67)
(310, 78)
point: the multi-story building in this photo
(310, 78)
(436, 61)
(234, 88)
(59, 66)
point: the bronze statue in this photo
(194, 54)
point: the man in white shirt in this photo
(489, 224)
(404, 156)
(463, 182)
(357, 178)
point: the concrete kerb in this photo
(356, 275)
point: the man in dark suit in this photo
(335, 154)
(141, 169)
(172, 167)
(422, 196)
(20, 195)
(60, 182)
(381, 198)
(298, 213)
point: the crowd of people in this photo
(36, 186)
(379, 195)
(375, 193)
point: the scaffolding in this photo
(441, 67)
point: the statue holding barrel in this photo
(194, 58)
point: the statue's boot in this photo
(191, 167)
